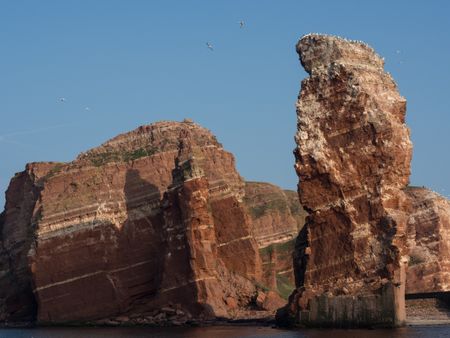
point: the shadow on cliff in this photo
(123, 258)
(166, 280)
(142, 241)
(17, 300)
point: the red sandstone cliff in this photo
(156, 226)
(353, 160)
(369, 238)
(149, 227)
(428, 243)
(277, 217)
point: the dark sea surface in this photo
(225, 331)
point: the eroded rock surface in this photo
(276, 214)
(277, 217)
(428, 242)
(353, 160)
(149, 227)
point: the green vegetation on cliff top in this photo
(100, 159)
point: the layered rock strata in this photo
(276, 214)
(277, 217)
(353, 161)
(152, 219)
(428, 243)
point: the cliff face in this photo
(151, 219)
(428, 242)
(353, 160)
(276, 218)
(276, 214)
(17, 224)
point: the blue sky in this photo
(135, 62)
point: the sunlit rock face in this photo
(353, 161)
(428, 242)
(152, 219)
(276, 218)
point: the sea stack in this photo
(353, 159)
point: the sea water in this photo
(226, 331)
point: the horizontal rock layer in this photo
(353, 160)
(277, 217)
(428, 242)
(152, 218)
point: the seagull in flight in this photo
(209, 46)
(241, 24)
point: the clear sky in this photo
(135, 62)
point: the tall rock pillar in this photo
(353, 161)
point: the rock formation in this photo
(277, 217)
(149, 227)
(276, 214)
(156, 226)
(428, 243)
(353, 161)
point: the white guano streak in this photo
(235, 240)
(70, 280)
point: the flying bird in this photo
(209, 45)
(241, 24)
(62, 99)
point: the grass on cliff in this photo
(55, 170)
(281, 248)
(260, 210)
(103, 158)
(278, 202)
(284, 286)
(117, 156)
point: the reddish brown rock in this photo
(269, 301)
(17, 224)
(353, 160)
(428, 242)
(276, 214)
(273, 301)
(277, 217)
(150, 219)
